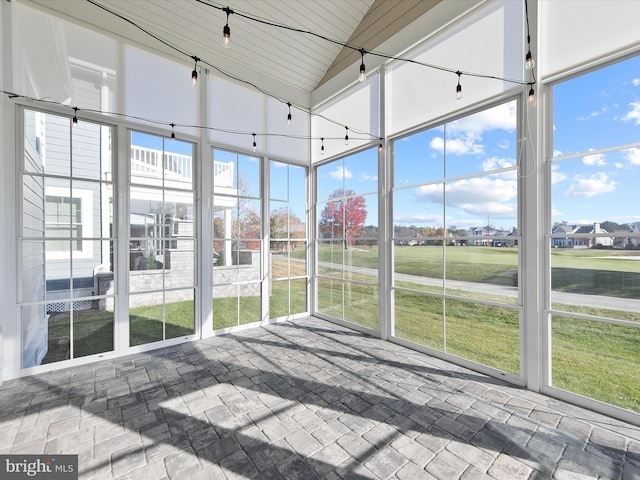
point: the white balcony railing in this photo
(152, 163)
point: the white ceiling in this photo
(285, 63)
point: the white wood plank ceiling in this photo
(285, 63)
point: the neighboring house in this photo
(491, 236)
(580, 236)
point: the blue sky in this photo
(593, 112)
(596, 111)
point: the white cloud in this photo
(556, 175)
(364, 176)
(493, 209)
(636, 82)
(340, 172)
(596, 113)
(464, 136)
(557, 153)
(633, 156)
(478, 196)
(618, 165)
(596, 159)
(417, 218)
(494, 163)
(634, 114)
(589, 186)
(501, 117)
(457, 146)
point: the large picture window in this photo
(593, 236)
(456, 241)
(67, 292)
(288, 240)
(347, 239)
(237, 239)
(161, 239)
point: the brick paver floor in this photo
(305, 400)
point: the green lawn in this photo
(594, 359)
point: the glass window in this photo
(67, 293)
(237, 239)
(288, 240)
(347, 245)
(455, 238)
(594, 235)
(161, 240)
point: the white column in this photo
(385, 221)
(202, 169)
(10, 349)
(533, 204)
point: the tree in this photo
(343, 217)
(245, 223)
(285, 225)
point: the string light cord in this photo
(220, 70)
(360, 49)
(151, 34)
(277, 25)
(171, 125)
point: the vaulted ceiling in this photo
(279, 60)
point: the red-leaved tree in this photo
(343, 217)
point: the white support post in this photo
(532, 223)
(385, 224)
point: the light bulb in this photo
(532, 96)
(194, 74)
(74, 121)
(362, 72)
(529, 62)
(346, 136)
(322, 147)
(255, 147)
(289, 115)
(226, 33)
(459, 87)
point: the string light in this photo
(165, 124)
(255, 147)
(74, 122)
(322, 146)
(173, 134)
(532, 96)
(459, 87)
(227, 34)
(194, 74)
(226, 31)
(346, 136)
(529, 62)
(363, 69)
(289, 115)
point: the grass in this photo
(590, 358)
(597, 360)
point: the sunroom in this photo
(456, 177)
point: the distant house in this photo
(491, 236)
(577, 236)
